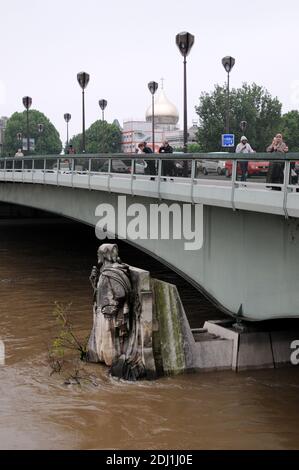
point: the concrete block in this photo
(281, 342)
(214, 355)
(255, 351)
(222, 328)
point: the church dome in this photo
(165, 111)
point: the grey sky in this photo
(125, 44)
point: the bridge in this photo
(247, 261)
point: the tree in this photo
(290, 130)
(100, 137)
(193, 148)
(47, 142)
(251, 103)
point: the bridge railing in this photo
(186, 177)
(254, 168)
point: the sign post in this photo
(228, 140)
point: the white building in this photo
(3, 121)
(166, 120)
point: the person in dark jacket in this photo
(168, 166)
(151, 165)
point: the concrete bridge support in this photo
(247, 259)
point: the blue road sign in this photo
(228, 140)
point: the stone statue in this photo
(115, 336)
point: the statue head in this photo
(107, 252)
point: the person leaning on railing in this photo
(151, 166)
(244, 147)
(19, 153)
(275, 171)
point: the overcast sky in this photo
(125, 44)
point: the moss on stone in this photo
(170, 330)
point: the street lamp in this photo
(67, 118)
(243, 126)
(228, 62)
(83, 79)
(103, 104)
(27, 102)
(19, 139)
(40, 129)
(153, 86)
(185, 41)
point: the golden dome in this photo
(165, 111)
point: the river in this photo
(47, 261)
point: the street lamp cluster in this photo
(83, 80)
(184, 42)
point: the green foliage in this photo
(63, 353)
(194, 148)
(100, 137)
(46, 143)
(66, 338)
(290, 130)
(251, 103)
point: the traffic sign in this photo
(228, 140)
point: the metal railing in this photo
(230, 170)
(185, 165)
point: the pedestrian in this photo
(276, 169)
(151, 166)
(168, 166)
(71, 150)
(19, 153)
(244, 147)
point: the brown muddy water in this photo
(41, 263)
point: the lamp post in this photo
(153, 86)
(243, 126)
(83, 79)
(19, 139)
(27, 102)
(103, 104)
(185, 41)
(40, 129)
(228, 62)
(67, 118)
(2, 131)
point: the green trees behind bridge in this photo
(290, 130)
(251, 103)
(100, 137)
(46, 142)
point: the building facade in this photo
(3, 121)
(166, 119)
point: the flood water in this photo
(41, 263)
